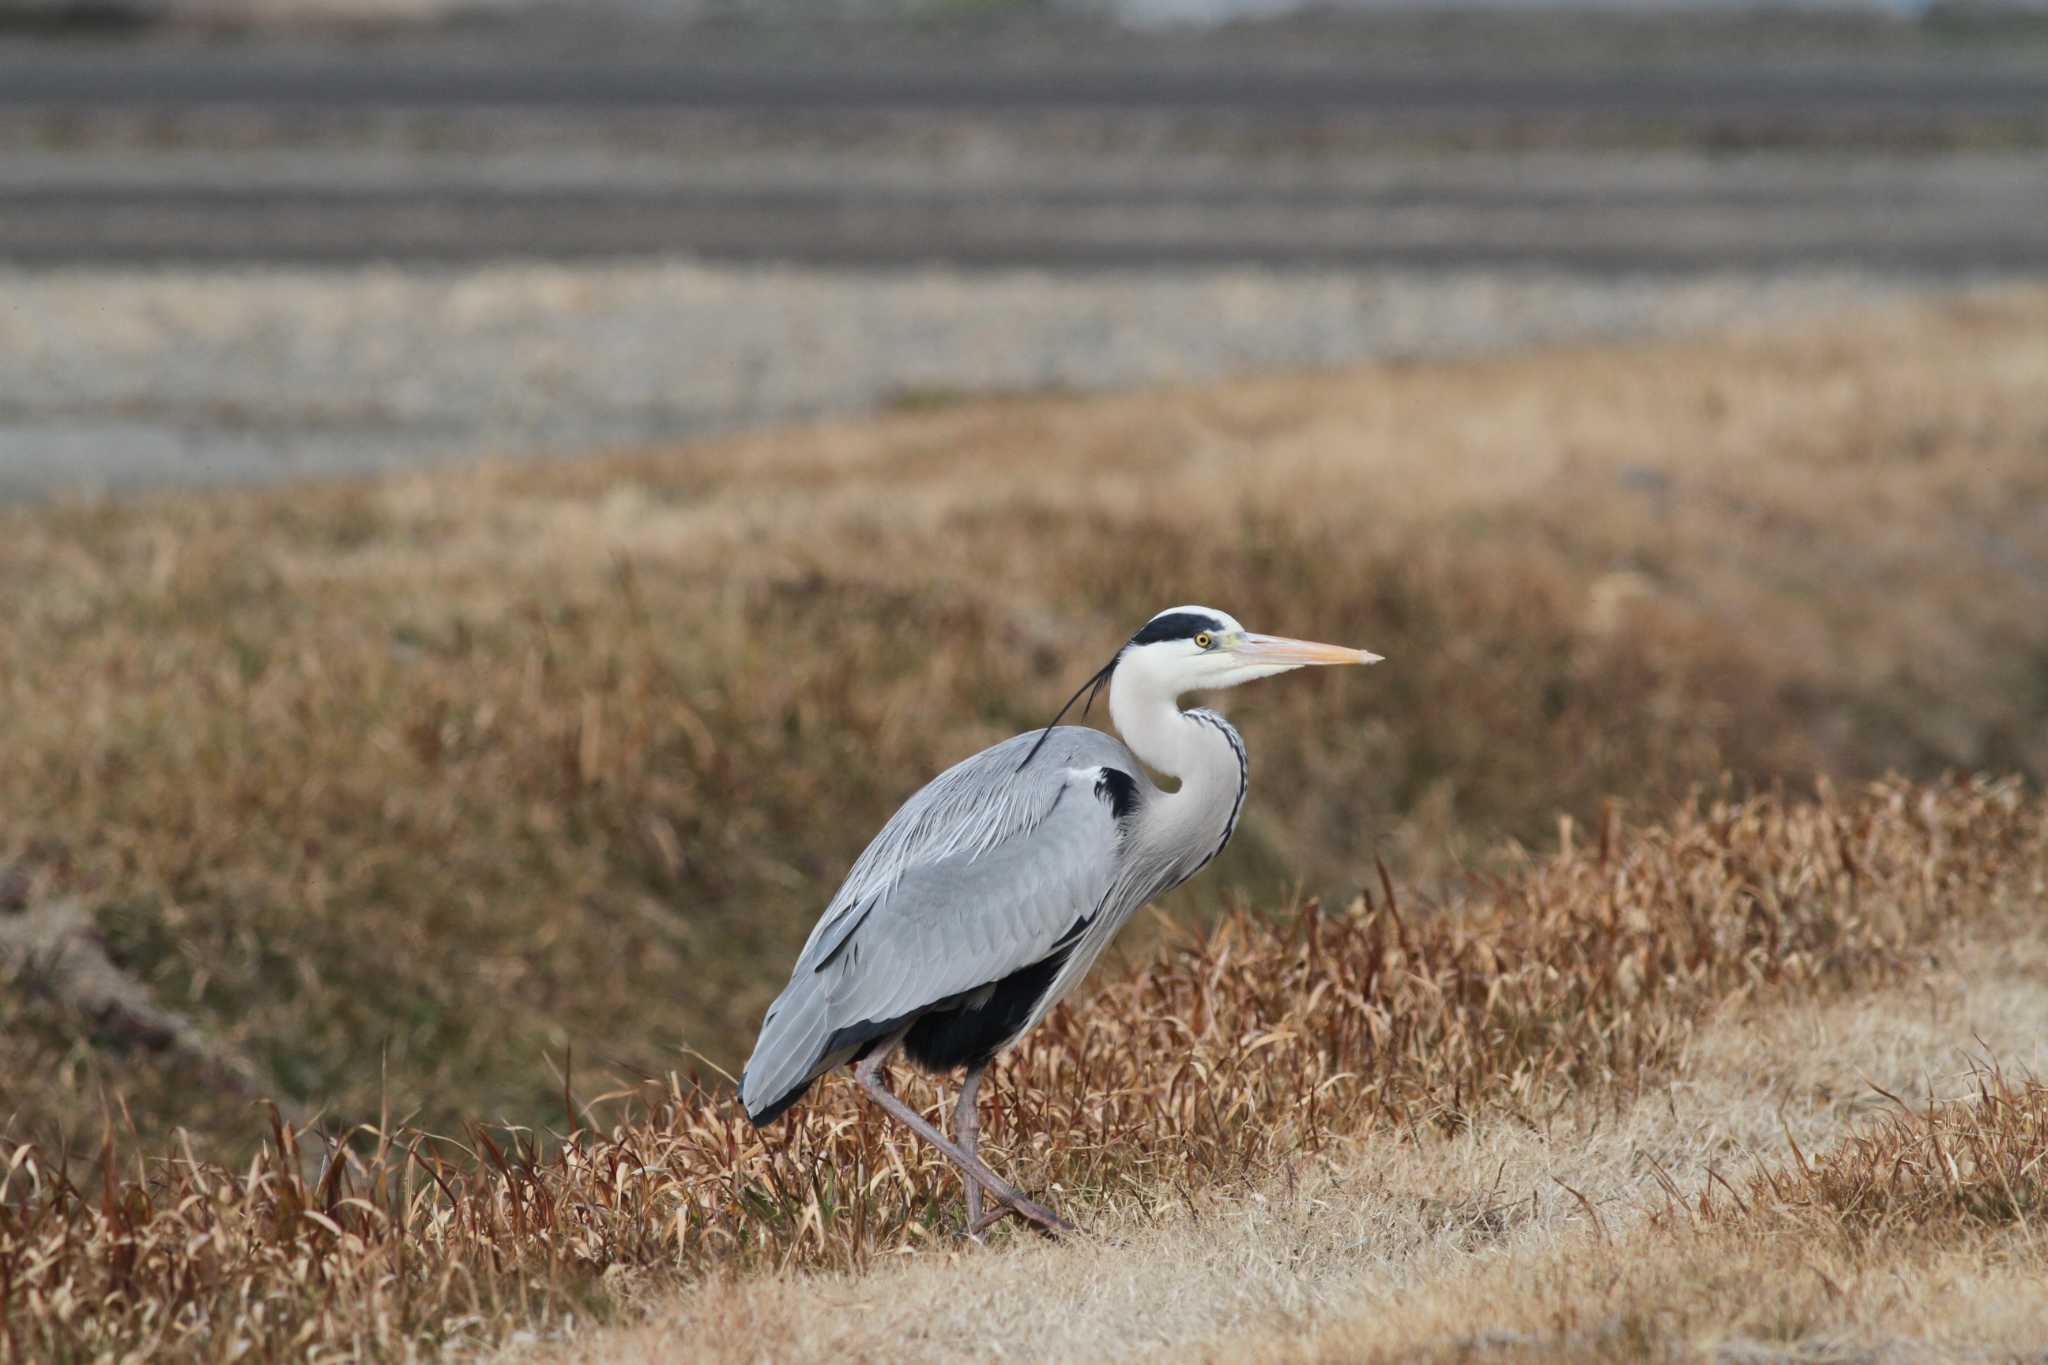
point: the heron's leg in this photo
(868, 1072)
(967, 1131)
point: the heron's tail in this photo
(790, 1053)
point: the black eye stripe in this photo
(1177, 625)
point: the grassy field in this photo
(1541, 1114)
(382, 799)
(1827, 1166)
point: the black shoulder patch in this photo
(1176, 625)
(1119, 788)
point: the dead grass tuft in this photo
(1946, 1172)
(1222, 1061)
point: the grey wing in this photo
(984, 872)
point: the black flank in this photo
(947, 1039)
(862, 1037)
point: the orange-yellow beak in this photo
(1278, 649)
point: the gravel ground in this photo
(119, 380)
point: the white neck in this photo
(1200, 753)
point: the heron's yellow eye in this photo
(1204, 640)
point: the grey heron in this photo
(986, 898)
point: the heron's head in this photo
(1198, 649)
(1195, 649)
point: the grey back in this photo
(985, 871)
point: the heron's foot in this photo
(975, 1226)
(1042, 1219)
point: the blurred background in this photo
(253, 238)
(500, 499)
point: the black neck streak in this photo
(1244, 780)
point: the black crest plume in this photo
(1091, 687)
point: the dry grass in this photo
(1920, 1239)
(1954, 1171)
(1228, 1062)
(377, 796)
(397, 789)
(1501, 1236)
